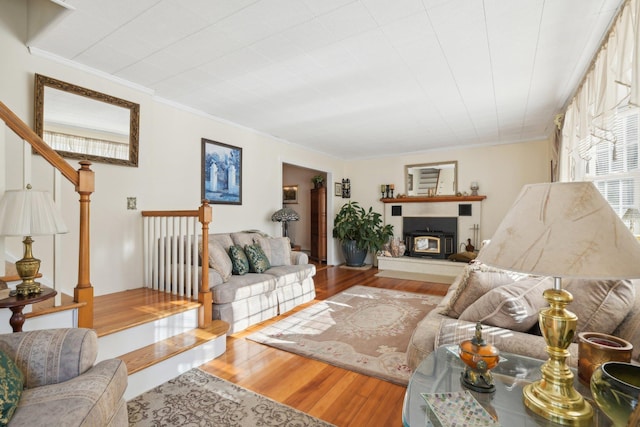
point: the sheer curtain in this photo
(83, 145)
(599, 137)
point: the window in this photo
(613, 168)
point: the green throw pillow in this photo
(239, 261)
(11, 383)
(258, 261)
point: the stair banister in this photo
(165, 254)
(84, 183)
(204, 293)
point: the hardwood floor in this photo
(336, 395)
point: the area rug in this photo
(362, 329)
(197, 398)
(422, 277)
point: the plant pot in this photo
(353, 256)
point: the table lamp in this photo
(285, 215)
(29, 213)
(562, 230)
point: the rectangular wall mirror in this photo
(431, 179)
(83, 124)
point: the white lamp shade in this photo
(564, 230)
(29, 213)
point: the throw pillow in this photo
(11, 385)
(513, 306)
(277, 249)
(463, 257)
(476, 280)
(238, 260)
(258, 261)
(219, 260)
(600, 305)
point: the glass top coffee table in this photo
(440, 372)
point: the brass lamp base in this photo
(28, 268)
(554, 397)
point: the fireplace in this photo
(430, 237)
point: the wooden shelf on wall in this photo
(435, 199)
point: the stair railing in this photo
(84, 182)
(171, 258)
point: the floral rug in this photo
(362, 329)
(197, 398)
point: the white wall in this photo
(501, 171)
(168, 176)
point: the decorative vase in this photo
(397, 247)
(615, 387)
(595, 348)
(353, 256)
(479, 358)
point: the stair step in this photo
(123, 310)
(145, 357)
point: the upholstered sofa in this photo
(507, 304)
(62, 386)
(243, 297)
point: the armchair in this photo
(62, 386)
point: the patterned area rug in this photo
(362, 329)
(197, 398)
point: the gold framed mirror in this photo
(431, 179)
(80, 123)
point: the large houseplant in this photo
(360, 231)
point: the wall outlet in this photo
(131, 203)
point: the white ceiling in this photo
(351, 78)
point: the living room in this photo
(169, 173)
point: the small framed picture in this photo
(337, 189)
(290, 194)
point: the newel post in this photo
(84, 291)
(205, 316)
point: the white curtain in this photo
(83, 145)
(610, 86)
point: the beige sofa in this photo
(508, 303)
(244, 300)
(62, 386)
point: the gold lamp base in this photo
(28, 268)
(553, 396)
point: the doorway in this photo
(300, 178)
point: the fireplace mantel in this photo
(435, 199)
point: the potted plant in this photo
(317, 181)
(359, 231)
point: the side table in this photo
(440, 372)
(17, 303)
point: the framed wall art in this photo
(290, 194)
(337, 189)
(221, 173)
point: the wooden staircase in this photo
(156, 334)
